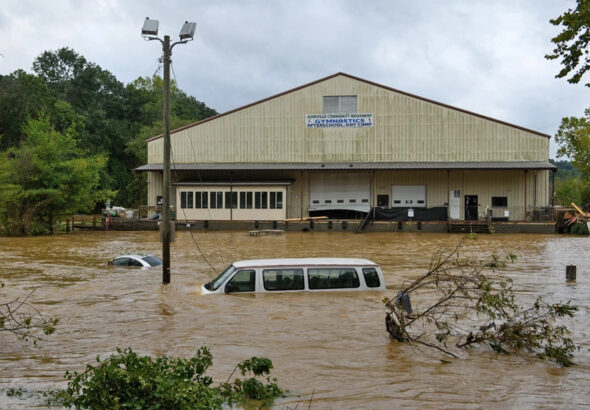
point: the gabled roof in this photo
(362, 80)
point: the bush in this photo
(580, 229)
(127, 380)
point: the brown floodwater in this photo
(332, 346)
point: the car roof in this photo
(303, 262)
(134, 255)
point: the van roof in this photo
(304, 262)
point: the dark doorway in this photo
(383, 201)
(471, 207)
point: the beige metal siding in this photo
(406, 129)
(154, 187)
(484, 184)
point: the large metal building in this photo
(343, 145)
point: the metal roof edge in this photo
(341, 166)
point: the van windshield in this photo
(218, 281)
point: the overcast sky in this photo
(483, 56)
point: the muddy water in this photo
(331, 345)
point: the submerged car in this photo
(297, 274)
(137, 260)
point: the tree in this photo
(46, 177)
(465, 302)
(572, 43)
(573, 137)
(22, 96)
(21, 318)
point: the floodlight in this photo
(150, 27)
(187, 32)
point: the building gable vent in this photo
(340, 104)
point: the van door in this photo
(242, 281)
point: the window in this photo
(231, 200)
(200, 199)
(260, 200)
(264, 200)
(273, 200)
(371, 277)
(499, 201)
(121, 262)
(216, 200)
(152, 260)
(249, 200)
(282, 279)
(186, 199)
(340, 104)
(332, 278)
(279, 200)
(257, 196)
(242, 200)
(243, 281)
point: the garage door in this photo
(408, 196)
(332, 191)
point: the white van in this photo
(296, 275)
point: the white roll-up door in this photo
(408, 196)
(332, 191)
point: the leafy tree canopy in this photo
(46, 177)
(573, 137)
(110, 120)
(571, 45)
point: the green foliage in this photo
(46, 177)
(580, 229)
(571, 45)
(573, 137)
(127, 380)
(20, 317)
(22, 96)
(473, 305)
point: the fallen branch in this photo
(465, 302)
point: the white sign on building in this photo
(338, 120)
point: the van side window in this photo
(371, 277)
(243, 281)
(332, 278)
(282, 279)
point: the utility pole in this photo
(165, 227)
(150, 32)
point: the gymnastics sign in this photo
(338, 120)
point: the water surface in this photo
(333, 345)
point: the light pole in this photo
(149, 31)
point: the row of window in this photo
(231, 200)
(340, 201)
(292, 279)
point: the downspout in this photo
(231, 197)
(553, 188)
(525, 173)
(301, 198)
(448, 196)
